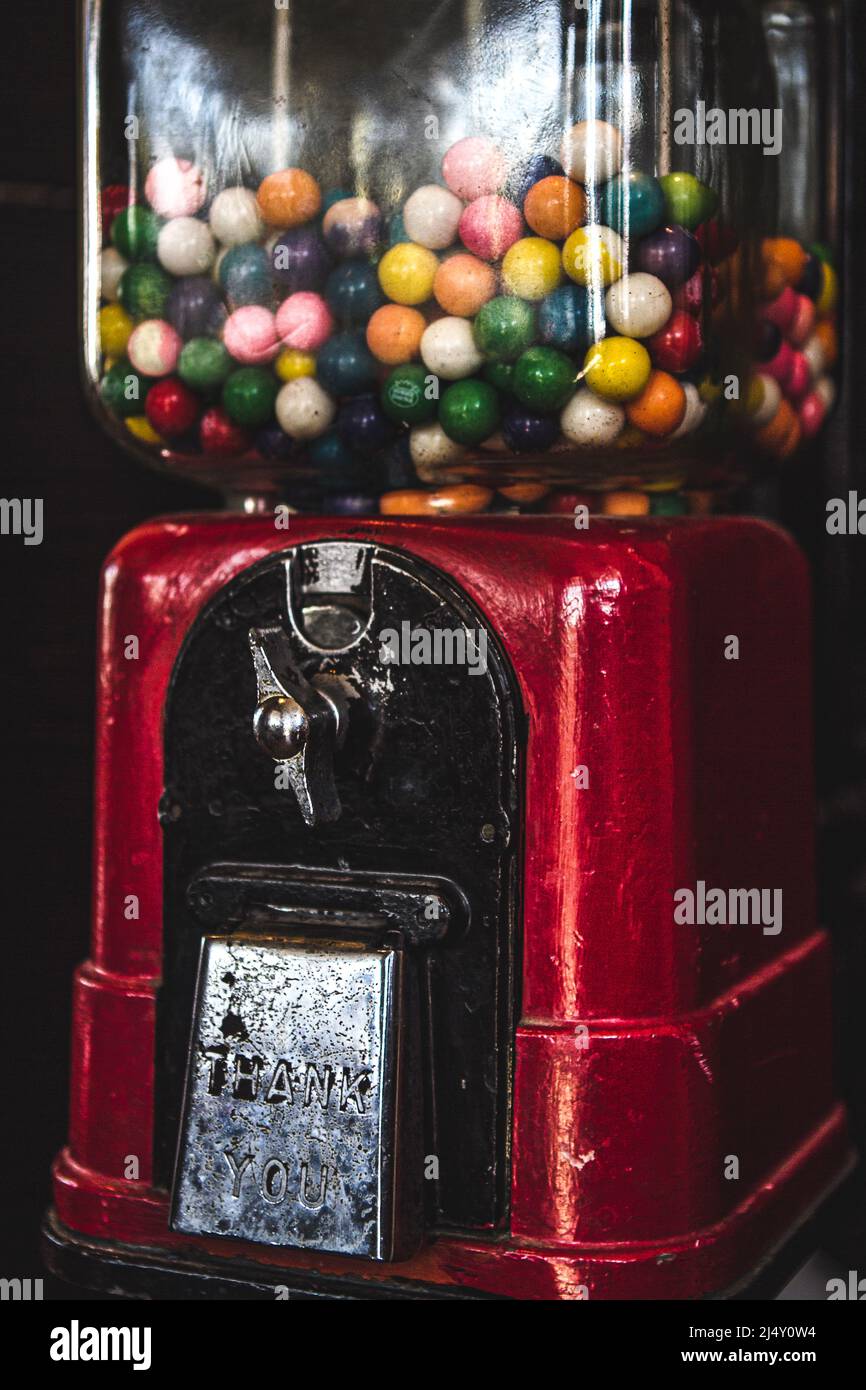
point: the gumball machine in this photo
(454, 924)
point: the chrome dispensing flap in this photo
(290, 1131)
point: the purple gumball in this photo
(671, 254)
(300, 260)
(195, 308)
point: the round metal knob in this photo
(281, 727)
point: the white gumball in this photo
(769, 403)
(591, 422)
(304, 410)
(432, 216)
(592, 152)
(111, 271)
(186, 247)
(638, 305)
(696, 409)
(431, 449)
(449, 350)
(816, 356)
(235, 217)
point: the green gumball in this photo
(500, 375)
(688, 202)
(469, 411)
(410, 395)
(505, 327)
(143, 291)
(135, 232)
(544, 379)
(123, 390)
(204, 364)
(248, 396)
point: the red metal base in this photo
(648, 1054)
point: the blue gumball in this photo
(353, 293)
(245, 275)
(337, 468)
(633, 204)
(345, 366)
(564, 320)
(525, 432)
(540, 166)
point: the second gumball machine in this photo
(454, 916)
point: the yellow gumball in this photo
(594, 256)
(532, 268)
(829, 296)
(407, 272)
(115, 326)
(617, 368)
(140, 428)
(291, 364)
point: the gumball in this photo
(304, 410)
(407, 272)
(592, 152)
(500, 375)
(669, 504)
(465, 499)
(768, 341)
(409, 395)
(430, 449)
(505, 328)
(828, 336)
(474, 168)
(783, 309)
(353, 293)
(594, 256)
(688, 202)
(690, 296)
(220, 435)
(289, 198)
(112, 268)
(172, 408)
(617, 368)
(194, 307)
(204, 364)
(527, 432)
(355, 504)
(352, 227)
(695, 412)
(235, 218)
(539, 167)
(799, 378)
(524, 494)
(489, 226)
(123, 390)
(774, 435)
(544, 379)
(290, 364)
(638, 305)
(564, 320)
(175, 188)
(337, 467)
(141, 429)
(780, 366)
(812, 279)
(469, 412)
(273, 443)
(394, 463)
(803, 323)
(135, 233)
(248, 396)
(463, 285)
(788, 255)
(397, 229)
(660, 407)
(363, 424)
(250, 334)
(768, 398)
(185, 247)
(633, 204)
(112, 201)
(677, 346)
(245, 275)
(671, 254)
(449, 350)
(815, 356)
(591, 422)
(300, 260)
(304, 321)
(346, 366)
(432, 216)
(394, 334)
(829, 296)
(115, 326)
(716, 240)
(154, 348)
(625, 503)
(144, 291)
(532, 268)
(811, 413)
(555, 207)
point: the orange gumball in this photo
(775, 434)
(463, 285)
(461, 500)
(625, 504)
(289, 198)
(394, 334)
(526, 494)
(555, 207)
(660, 407)
(828, 336)
(788, 255)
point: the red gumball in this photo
(812, 414)
(677, 346)
(171, 407)
(716, 240)
(690, 296)
(115, 198)
(799, 377)
(220, 435)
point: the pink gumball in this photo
(304, 322)
(812, 414)
(800, 328)
(474, 167)
(799, 378)
(154, 347)
(175, 188)
(781, 365)
(489, 226)
(250, 335)
(783, 309)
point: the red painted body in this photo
(646, 1051)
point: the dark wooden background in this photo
(51, 448)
